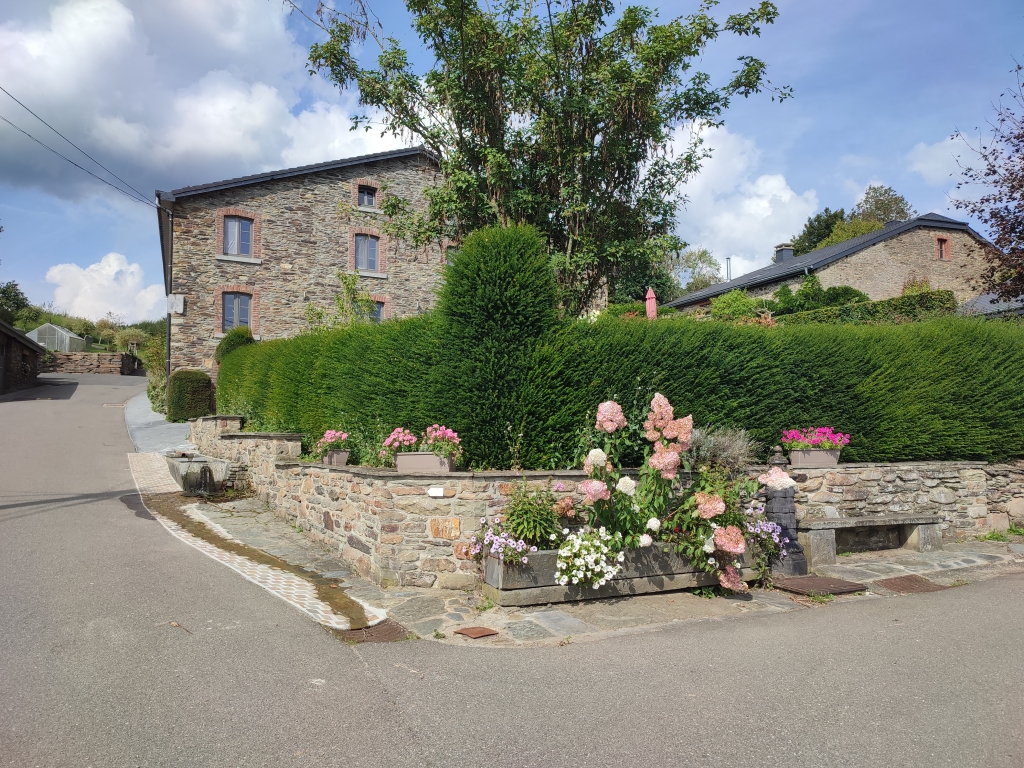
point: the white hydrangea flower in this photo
(709, 545)
(645, 540)
(654, 524)
(626, 485)
(597, 457)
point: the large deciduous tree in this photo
(570, 115)
(818, 228)
(998, 168)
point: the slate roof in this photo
(20, 336)
(815, 260)
(216, 186)
(989, 304)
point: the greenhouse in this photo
(57, 339)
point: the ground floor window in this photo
(236, 310)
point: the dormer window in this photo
(367, 197)
(237, 236)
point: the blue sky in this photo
(188, 91)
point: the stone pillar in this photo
(780, 509)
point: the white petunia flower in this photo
(626, 485)
(709, 545)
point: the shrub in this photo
(902, 309)
(237, 337)
(188, 395)
(734, 305)
(531, 515)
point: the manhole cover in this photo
(476, 632)
(910, 584)
(388, 631)
(817, 585)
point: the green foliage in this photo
(699, 268)
(236, 337)
(648, 270)
(734, 305)
(994, 536)
(498, 299)
(153, 353)
(129, 339)
(882, 204)
(12, 301)
(850, 228)
(818, 228)
(902, 309)
(561, 116)
(350, 306)
(531, 516)
(810, 296)
(188, 395)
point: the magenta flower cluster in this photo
(813, 437)
(332, 439)
(401, 439)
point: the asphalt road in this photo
(93, 674)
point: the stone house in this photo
(19, 359)
(946, 253)
(258, 250)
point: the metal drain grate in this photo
(388, 631)
(910, 584)
(817, 585)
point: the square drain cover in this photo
(817, 585)
(476, 632)
(910, 584)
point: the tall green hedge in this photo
(188, 395)
(919, 306)
(492, 356)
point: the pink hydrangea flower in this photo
(659, 417)
(609, 417)
(730, 539)
(680, 430)
(709, 504)
(665, 461)
(729, 578)
(594, 490)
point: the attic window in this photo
(367, 197)
(942, 249)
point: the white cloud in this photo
(109, 285)
(737, 213)
(936, 162)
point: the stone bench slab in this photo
(819, 524)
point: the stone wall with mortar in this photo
(387, 524)
(303, 235)
(964, 495)
(114, 363)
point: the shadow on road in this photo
(51, 503)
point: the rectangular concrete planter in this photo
(814, 457)
(422, 461)
(653, 569)
(336, 458)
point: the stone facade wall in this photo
(21, 363)
(964, 495)
(92, 362)
(302, 235)
(388, 525)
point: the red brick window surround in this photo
(381, 247)
(369, 184)
(253, 216)
(943, 250)
(385, 301)
(254, 305)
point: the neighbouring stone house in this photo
(948, 254)
(19, 359)
(258, 249)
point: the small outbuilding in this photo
(19, 359)
(57, 339)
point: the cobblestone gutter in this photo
(414, 530)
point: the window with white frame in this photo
(236, 310)
(366, 252)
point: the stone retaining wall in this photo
(964, 494)
(91, 362)
(396, 529)
(415, 529)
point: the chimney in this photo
(783, 251)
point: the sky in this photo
(183, 92)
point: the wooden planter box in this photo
(814, 457)
(336, 458)
(422, 462)
(652, 569)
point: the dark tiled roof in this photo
(810, 262)
(216, 186)
(15, 333)
(990, 304)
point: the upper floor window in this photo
(237, 236)
(366, 252)
(942, 248)
(236, 310)
(367, 197)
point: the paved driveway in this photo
(92, 673)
